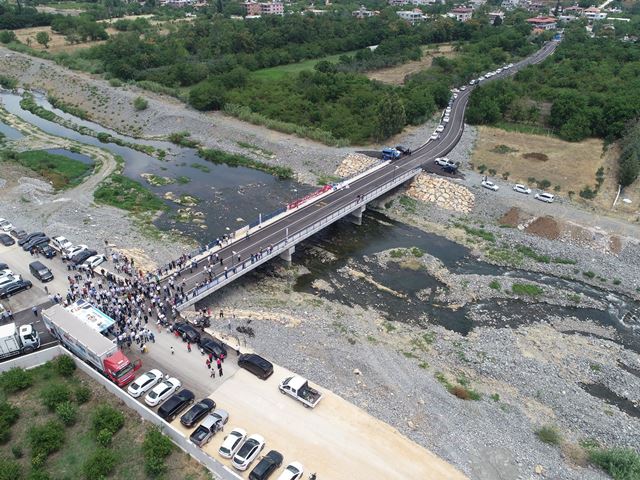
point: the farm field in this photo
(396, 75)
(58, 42)
(276, 73)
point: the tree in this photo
(497, 21)
(7, 36)
(207, 95)
(43, 39)
(391, 116)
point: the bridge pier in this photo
(355, 217)
(286, 255)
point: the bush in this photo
(114, 82)
(104, 437)
(45, 439)
(588, 193)
(8, 82)
(140, 103)
(620, 463)
(495, 284)
(17, 451)
(8, 416)
(67, 412)
(54, 394)
(64, 365)
(156, 447)
(589, 274)
(10, 469)
(549, 434)
(105, 417)
(15, 380)
(99, 465)
(526, 289)
(82, 394)
(38, 475)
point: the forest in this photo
(211, 59)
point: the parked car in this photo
(144, 382)
(266, 466)
(162, 391)
(248, 452)
(212, 423)
(293, 471)
(176, 404)
(34, 242)
(440, 128)
(232, 443)
(7, 273)
(14, 287)
(490, 185)
(450, 167)
(31, 236)
(545, 197)
(61, 244)
(45, 250)
(5, 225)
(6, 240)
(4, 266)
(187, 332)
(92, 262)
(463, 88)
(40, 271)
(446, 163)
(18, 233)
(403, 150)
(446, 119)
(70, 252)
(81, 257)
(257, 365)
(442, 161)
(210, 346)
(521, 189)
(434, 136)
(197, 412)
(299, 388)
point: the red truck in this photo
(90, 345)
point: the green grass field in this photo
(276, 73)
(61, 171)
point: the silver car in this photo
(545, 197)
(211, 424)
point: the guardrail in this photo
(194, 295)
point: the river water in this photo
(231, 197)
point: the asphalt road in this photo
(307, 215)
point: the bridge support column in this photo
(356, 216)
(286, 255)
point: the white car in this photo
(248, 452)
(440, 129)
(545, 197)
(162, 391)
(454, 90)
(92, 262)
(490, 185)
(455, 95)
(61, 244)
(473, 82)
(510, 65)
(9, 279)
(463, 88)
(442, 161)
(446, 119)
(521, 189)
(434, 136)
(447, 110)
(144, 383)
(74, 250)
(293, 471)
(5, 225)
(232, 443)
(6, 273)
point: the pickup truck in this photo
(298, 388)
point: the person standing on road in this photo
(172, 352)
(189, 347)
(212, 373)
(208, 362)
(219, 363)
(35, 311)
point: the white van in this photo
(545, 197)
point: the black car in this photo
(34, 242)
(6, 240)
(266, 466)
(197, 412)
(80, 257)
(210, 346)
(187, 332)
(450, 168)
(18, 233)
(31, 236)
(257, 365)
(15, 287)
(4, 266)
(46, 250)
(403, 150)
(176, 403)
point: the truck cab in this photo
(298, 388)
(15, 341)
(389, 153)
(119, 369)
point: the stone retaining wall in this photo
(442, 192)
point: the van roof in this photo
(37, 265)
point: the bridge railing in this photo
(293, 238)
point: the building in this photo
(412, 16)
(593, 13)
(177, 3)
(543, 23)
(493, 15)
(574, 11)
(461, 14)
(363, 12)
(417, 3)
(254, 9)
(512, 4)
